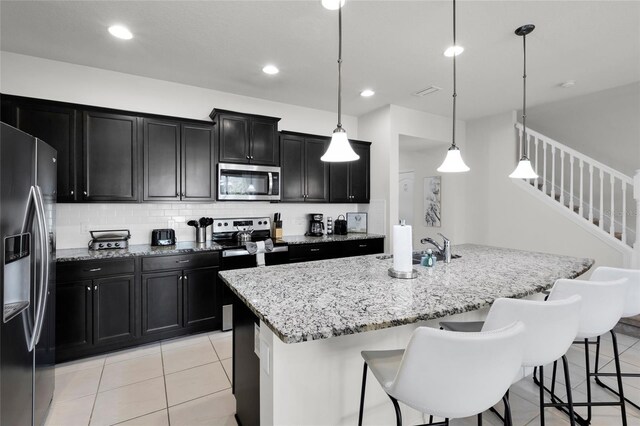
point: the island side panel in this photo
(246, 365)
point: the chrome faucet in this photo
(445, 249)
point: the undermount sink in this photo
(417, 257)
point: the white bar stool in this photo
(448, 374)
(550, 328)
(631, 309)
(602, 307)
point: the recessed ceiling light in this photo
(567, 84)
(367, 92)
(270, 69)
(453, 51)
(333, 4)
(120, 32)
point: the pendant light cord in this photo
(524, 99)
(455, 94)
(340, 67)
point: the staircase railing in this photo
(593, 190)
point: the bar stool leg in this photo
(567, 381)
(364, 387)
(541, 387)
(623, 410)
(397, 408)
(479, 419)
(508, 421)
(587, 362)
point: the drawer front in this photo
(311, 251)
(87, 270)
(180, 261)
(362, 247)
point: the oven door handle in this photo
(244, 252)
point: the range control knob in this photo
(100, 245)
(219, 223)
(108, 244)
(226, 224)
(117, 244)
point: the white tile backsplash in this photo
(74, 221)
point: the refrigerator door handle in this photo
(44, 262)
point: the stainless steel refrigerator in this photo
(27, 272)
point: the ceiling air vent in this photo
(429, 90)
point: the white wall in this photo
(501, 214)
(41, 78)
(604, 125)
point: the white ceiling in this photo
(394, 47)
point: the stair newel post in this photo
(591, 193)
(553, 172)
(571, 203)
(544, 167)
(636, 195)
(612, 218)
(562, 177)
(601, 224)
(580, 209)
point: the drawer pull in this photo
(183, 261)
(93, 270)
(314, 249)
(362, 245)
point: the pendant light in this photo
(453, 162)
(524, 169)
(339, 148)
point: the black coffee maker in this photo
(316, 226)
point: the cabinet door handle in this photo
(95, 287)
(183, 261)
(185, 278)
(180, 277)
(71, 192)
(93, 270)
(84, 193)
(88, 288)
(251, 157)
(248, 157)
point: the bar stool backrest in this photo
(451, 374)
(632, 303)
(550, 327)
(601, 307)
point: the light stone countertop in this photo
(185, 247)
(328, 298)
(303, 239)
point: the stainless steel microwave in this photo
(245, 182)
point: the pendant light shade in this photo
(340, 149)
(524, 170)
(453, 162)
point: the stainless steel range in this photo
(239, 238)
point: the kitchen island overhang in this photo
(316, 317)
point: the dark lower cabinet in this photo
(200, 287)
(335, 249)
(74, 317)
(161, 302)
(113, 310)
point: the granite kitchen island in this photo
(311, 321)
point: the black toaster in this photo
(163, 237)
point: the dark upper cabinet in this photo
(304, 176)
(246, 138)
(113, 310)
(110, 157)
(350, 181)
(58, 126)
(74, 316)
(198, 163)
(178, 161)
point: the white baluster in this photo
(601, 225)
(562, 190)
(553, 172)
(535, 144)
(571, 183)
(612, 219)
(590, 193)
(544, 167)
(624, 212)
(520, 144)
(580, 209)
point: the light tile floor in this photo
(187, 381)
(184, 381)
